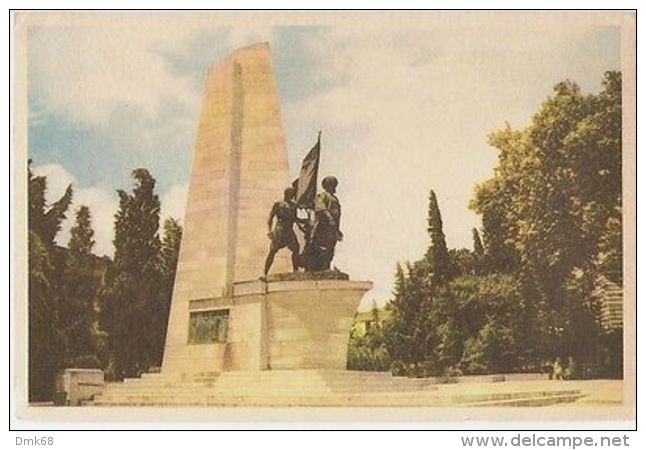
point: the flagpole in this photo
(310, 212)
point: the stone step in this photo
(274, 385)
(395, 399)
(278, 382)
(161, 383)
(341, 381)
(264, 400)
(509, 396)
(187, 376)
(340, 377)
(532, 401)
(351, 388)
(166, 378)
(217, 389)
(328, 388)
(148, 389)
(134, 382)
(307, 373)
(454, 399)
(261, 390)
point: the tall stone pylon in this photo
(239, 169)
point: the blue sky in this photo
(405, 105)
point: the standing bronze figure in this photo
(282, 233)
(326, 231)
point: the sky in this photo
(405, 103)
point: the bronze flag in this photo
(306, 183)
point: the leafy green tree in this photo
(494, 302)
(551, 226)
(359, 353)
(169, 256)
(478, 249)
(481, 351)
(610, 258)
(43, 220)
(479, 256)
(46, 345)
(369, 350)
(81, 284)
(170, 245)
(132, 297)
(437, 254)
(462, 262)
(405, 333)
(547, 209)
(81, 235)
(422, 334)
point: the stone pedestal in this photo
(308, 322)
(281, 325)
(76, 385)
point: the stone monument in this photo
(239, 338)
(222, 316)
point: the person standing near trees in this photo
(557, 369)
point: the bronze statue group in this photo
(320, 230)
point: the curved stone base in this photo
(308, 322)
(300, 324)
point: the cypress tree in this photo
(478, 249)
(132, 298)
(410, 338)
(404, 311)
(46, 346)
(81, 235)
(169, 255)
(437, 254)
(81, 285)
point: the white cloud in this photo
(88, 71)
(57, 180)
(173, 202)
(101, 204)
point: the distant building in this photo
(365, 320)
(611, 300)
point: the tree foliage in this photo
(551, 227)
(46, 343)
(45, 220)
(437, 254)
(417, 339)
(131, 298)
(369, 350)
(86, 311)
(82, 275)
(550, 210)
(169, 257)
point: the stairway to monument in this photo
(323, 388)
